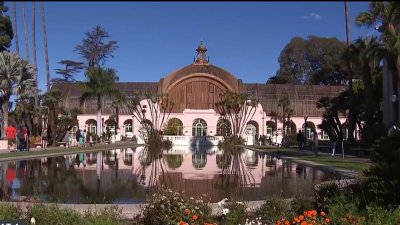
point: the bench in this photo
(360, 151)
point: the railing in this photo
(189, 140)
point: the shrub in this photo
(107, 216)
(53, 215)
(383, 183)
(273, 209)
(308, 217)
(232, 212)
(168, 207)
(8, 212)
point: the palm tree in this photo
(100, 83)
(46, 51)
(15, 27)
(16, 77)
(365, 54)
(385, 17)
(51, 101)
(25, 32)
(351, 116)
(36, 95)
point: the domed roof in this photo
(206, 70)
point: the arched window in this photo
(174, 127)
(224, 127)
(199, 127)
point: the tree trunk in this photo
(5, 116)
(368, 96)
(351, 116)
(35, 130)
(26, 32)
(15, 28)
(46, 52)
(99, 125)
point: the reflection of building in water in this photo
(126, 172)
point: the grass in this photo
(337, 162)
(326, 160)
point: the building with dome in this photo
(195, 89)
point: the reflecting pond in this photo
(129, 175)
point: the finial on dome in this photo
(201, 54)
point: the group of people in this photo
(82, 138)
(18, 137)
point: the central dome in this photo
(206, 71)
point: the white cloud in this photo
(312, 15)
(315, 16)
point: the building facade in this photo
(195, 89)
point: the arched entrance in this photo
(199, 127)
(91, 126)
(309, 128)
(224, 127)
(111, 126)
(174, 127)
(271, 127)
(290, 128)
(128, 128)
(252, 129)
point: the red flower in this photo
(195, 217)
(182, 223)
(187, 211)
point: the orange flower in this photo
(314, 212)
(301, 217)
(278, 222)
(304, 223)
(195, 217)
(187, 211)
(182, 223)
(287, 222)
(296, 219)
(327, 220)
(323, 213)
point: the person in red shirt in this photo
(11, 133)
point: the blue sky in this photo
(157, 38)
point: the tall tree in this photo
(94, 49)
(385, 17)
(352, 114)
(15, 27)
(238, 109)
(6, 30)
(25, 31)
(36, 94)
(46, 51)
(316, 60)
(99, 85)
(71, 68)
(16, 76)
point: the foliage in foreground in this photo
(54, 215)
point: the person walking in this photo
(11, 133)
(78, 136)
(44, 138)
(333, 143)
(315, 139)
(300, 140)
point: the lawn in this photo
(337, 162)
